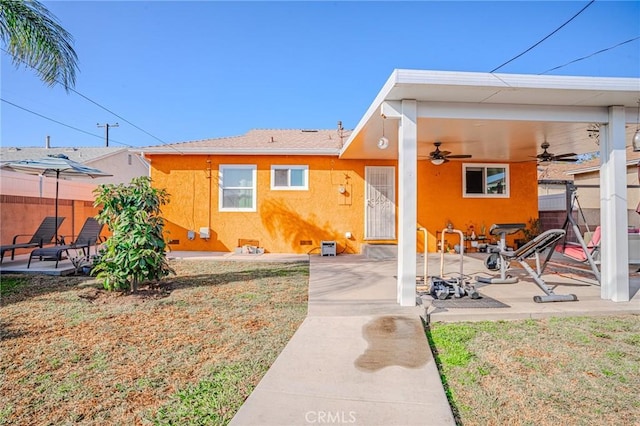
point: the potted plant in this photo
(532, 230)
(482, 234)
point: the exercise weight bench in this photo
(494, 260)
(534, 249)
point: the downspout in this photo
(210, 189)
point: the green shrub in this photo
(136, 250)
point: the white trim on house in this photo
(289, 186)
(222, 188)
(504, 194)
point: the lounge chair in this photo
(43, 235)
(88, 236)
(533, 249)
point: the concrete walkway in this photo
(358, 358)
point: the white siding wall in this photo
(20, 184)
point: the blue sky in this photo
(194, 70)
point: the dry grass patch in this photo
(582, 370)
(189, 351)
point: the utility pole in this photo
(106, 131)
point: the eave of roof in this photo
(238, 151)
(261, 142)
(568, 93)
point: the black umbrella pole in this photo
(56, 224)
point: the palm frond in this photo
(33, 36)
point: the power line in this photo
(101, 106)
(555, 31)
(123, 119)
(589, 56)
(117, 115)
(60, 123)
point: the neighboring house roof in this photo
(263, 142)
(555, 171)
(593, 165)
(122, 163)
(567, 171)
(81, 155)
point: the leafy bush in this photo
(136, 250)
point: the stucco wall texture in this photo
(297, 221)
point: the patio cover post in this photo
(613, 208)
(407, 202)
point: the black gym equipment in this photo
(494, 261)
(546, 241)
(441, 287)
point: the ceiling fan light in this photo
(437, 161)
(383, 143)
(636, 141)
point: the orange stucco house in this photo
(288, 190)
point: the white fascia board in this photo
(479, 111)
(533, 81)
(235, 151)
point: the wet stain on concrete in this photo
(393, 340)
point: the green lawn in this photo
(188, 353)
(571, 371)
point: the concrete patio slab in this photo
(38, 267)
(519, 296)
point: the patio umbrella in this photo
(53, 166)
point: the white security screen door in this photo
(380, 204)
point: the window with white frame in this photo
(485, 180)
(290, 177)
(237, 188)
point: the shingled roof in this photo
(555, 171)
(594, 164)
(262, 142)
(567, 171)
